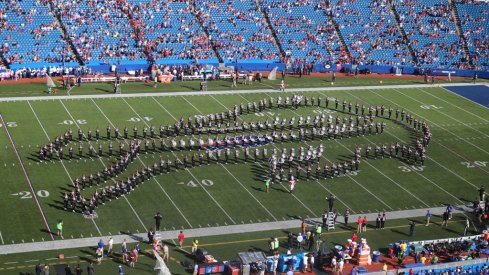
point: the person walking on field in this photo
(195, 246)
(411, 228)
(181, 237)
(282, 85)
(267, 185)
(445, 218)
(346, 216)
(466, 227)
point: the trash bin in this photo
(376, 256)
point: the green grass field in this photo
(225, 194)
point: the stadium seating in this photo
(170, 31)
(30, 34)
(183, 31)
(304, 30)
(100, 30)
(430, 26)
(475, 25)
(238, 29)
(370, 32)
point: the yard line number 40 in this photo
(192, 183)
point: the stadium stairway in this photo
(337, 29)
(459, 30)
(135, 28)
(65, 35)
(206, 32)
(403, 32)
(269, 24)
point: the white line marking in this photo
(30, 261)
(439, 164)
(232, 175)
(482, 150)
(1, 237)
(11, 263)
(305, 206)
(317, 181)
(186, 169)
(130, 205)
(161, 187)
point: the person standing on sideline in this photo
(377, 221)
(90, 269)
(331, 201)
(445, 219)
(101, 245)
(121, 272)
(411, 228)
(359, 224)
(481, 193)
(151, 235)
(382, 221)
(181, 237)
(325, 218)
(346, 216)
(364, 224)
(467, 225)
(282, 85)
(428, 217)
(166, 253)
(449, 210)
(158, 219)
(110, 243)
(449, 76)
(59, 227)
(38, 269)
(267, 184)
(195, 246)
(303, 226)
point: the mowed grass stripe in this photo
(434, 119)
(192, 200)
(18, 226)
(45, 176)
(51, 114)
(252, 207)
(423, 174)
(95, 119)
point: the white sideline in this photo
(227, 92)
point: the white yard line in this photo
(226, 92)
(317, 181)
(232, 175)
(186, 169)
(301, 202)
(447, 115)
(361, 186)
(431, 122)
(144, 164)
(62, 162)
(448, 102)
(1, 237)
(447, 148)
(101, 161)
(439, 164)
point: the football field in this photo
(231, 193)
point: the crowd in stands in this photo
(475, 25)
(305, 31)
(30, 34)
(111, 31)
(170, 30)
(370, 32)
(238, 29)
(432, 31)
(99, 29)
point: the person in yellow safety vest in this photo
(318, 230)
(276, 244)
(195, 245)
